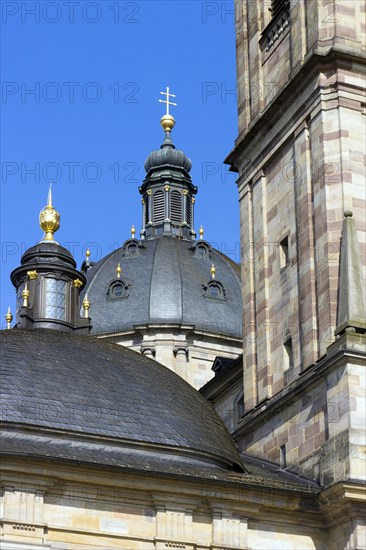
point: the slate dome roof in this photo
(70, 388)
(165, 279)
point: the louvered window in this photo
(146, 211)
(277, 6)
(176, 207)
(189, 211)
(158, 215)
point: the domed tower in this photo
(168, 295)
(167, 190)
(47, 283)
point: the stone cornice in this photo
(338, 353)
(334, 56)
(343, 501)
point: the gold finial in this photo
(8, 318)
(213, 271)
(86, 306)
(166, 188)
(49, 219)
(25, 295)
(118, 270)
(201, 232)
(32, 275)
(87, 257)
(133, 231)
(78, 283)
(167, 121)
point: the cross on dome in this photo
(167, 102)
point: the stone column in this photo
(181, 358)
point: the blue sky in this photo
(79, 105)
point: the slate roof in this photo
(78, 386)
(166, 283)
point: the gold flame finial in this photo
(167, 121)
(201, 232)
(133, 231)
(118, 270)
(8, 318)
(49, 219)
(86, 306)
(25, 295)
(213, 271)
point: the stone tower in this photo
(300, 158)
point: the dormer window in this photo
(118, 289)
(214, 290)
(201, 250)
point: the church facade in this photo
(103, 447)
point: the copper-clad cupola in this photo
(167, 190)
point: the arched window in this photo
(176, 206)
(158, 209)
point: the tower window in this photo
(288, 359)
(283, 461)
(158, 210)
(277, 6)
(176, 207)
(240, 407)
(284, 253)
(55, 299)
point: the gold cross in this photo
(167, 94)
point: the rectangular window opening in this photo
(288, 354)
(283, 462)
(284, 253)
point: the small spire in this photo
(213, 271)
(133, 231)
(49, 219)
(25, 295)
(86, 306)
(87, 257)
(8, 318)
(118, 270)
(201, 232)
(351, 313)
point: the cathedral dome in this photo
(166, 281)
(61, 395)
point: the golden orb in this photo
(167, 122)
(49, 219)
